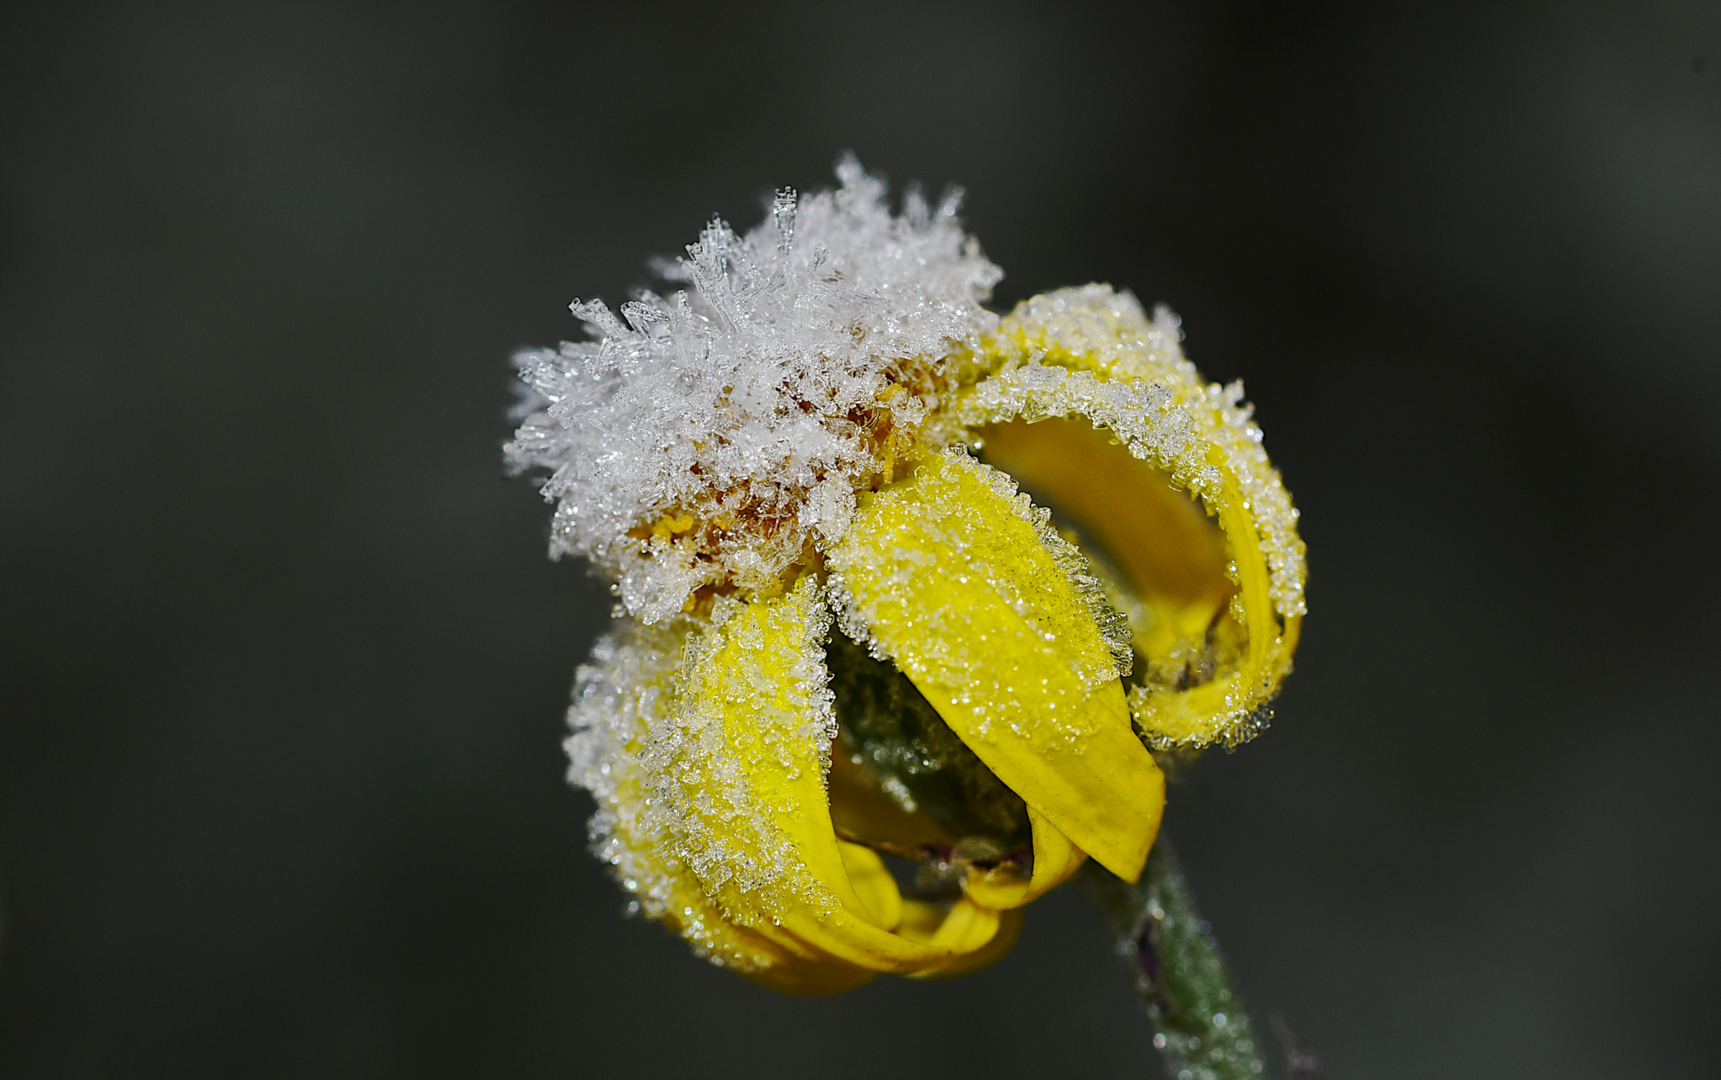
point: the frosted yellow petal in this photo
(1167, 549)
(1094, 408)
(748, 760)
(620, 700)
(947, 574)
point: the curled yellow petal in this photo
(1004, 887)
(951, 575)
(971, 920)
(873, 884)
(742, 759)
(621, 700)
(1095, 410)
(1163, 545)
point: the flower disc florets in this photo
(715, 438)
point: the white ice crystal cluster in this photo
(717, 436)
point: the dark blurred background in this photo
(284, 664)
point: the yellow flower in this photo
(1002, 661)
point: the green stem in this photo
(1199, 1024)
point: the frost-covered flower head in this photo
(717, 436)
(899, 577)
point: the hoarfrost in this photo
(715, 436)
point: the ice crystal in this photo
(715, 436)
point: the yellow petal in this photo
(1165, 547)
(947, 573)
(619, 702)
(1055, 859)
(809, 978)
(873, 884)
(998, 931)
(962, 926)
(1095, 409)
(744, 760)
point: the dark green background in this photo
(284, 665)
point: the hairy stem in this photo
(1199, 1024)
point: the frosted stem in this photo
(1199, 1024)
